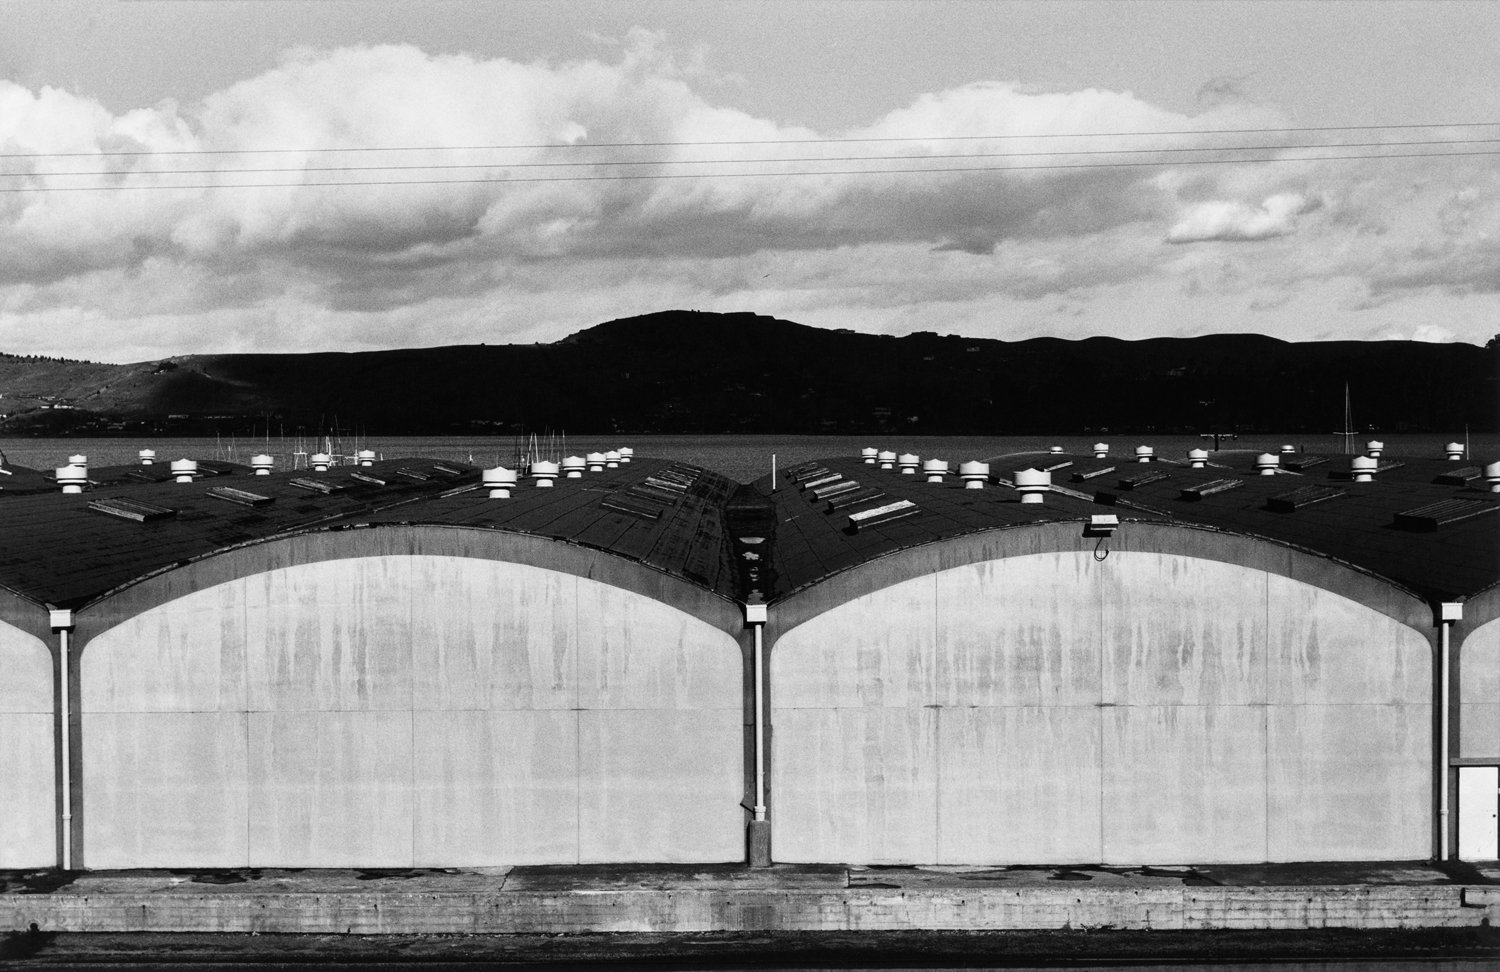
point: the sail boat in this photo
(1348, 432)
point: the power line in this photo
(733, 161)
(739, 175)
(755, 141)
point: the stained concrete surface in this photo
(736, 876)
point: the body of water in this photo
(740, 457)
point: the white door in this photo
(1479, 813)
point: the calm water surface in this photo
(740, 457)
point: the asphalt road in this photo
(1430, 950)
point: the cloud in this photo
(1238, 222)
(456, 217)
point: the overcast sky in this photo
(163, 181)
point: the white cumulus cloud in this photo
(385, 196)
(1235, 221)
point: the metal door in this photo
(1479, 813)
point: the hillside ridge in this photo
(698, 372)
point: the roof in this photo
(69, 550)
(1429, 526)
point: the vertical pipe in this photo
(760, 726)
(67, 752)
(1443, 823)
(773, 472)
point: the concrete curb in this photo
(758, 909)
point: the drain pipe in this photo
(760, 827)
(62, 623)
(1448, 613)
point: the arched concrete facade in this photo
(409, 696)
(1193, 697)
(28, 801)
(1476, 666)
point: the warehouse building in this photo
(1055, 659)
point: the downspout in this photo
(62, 623)
(760, 827)
(1448, 613)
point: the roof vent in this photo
(262, 464)
(633, 506)
(1288, 450)
(573, 467)
(79, 460)
(887, 460)
(595, 461)
(146, 456)
(974, 473)
(935, 470)
(316, 485)
(184, 470)
(366, 457)
(882, 514)
(1197, 458)
(1101, 450)
(1084, 475)
(1142, 479)
(1267, 464)
(612, 459)
(320, 461)
(242, 497)
(1492, 476)
(816, 482)
(1144, 453)
(544, 472)
(839, 488)
(1363, 468)
(135, 510)
(1455, 450)
(1442, 513)
(71, 478)
(908, 463)
(1459, 477)
(1303, 496)
(1032, 484)
(869, 455)
(627, 453)
(1210, 488)
(854, 497)
(1374, 448)
(1055, 450)
(499, 481)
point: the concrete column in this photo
(1449, 613)
(758, 836)
(67, 701)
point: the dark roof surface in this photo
(1429, 526)
(1356, 523)
(64, 550)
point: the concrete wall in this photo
(1478, 671)
(28, 809)
(410, 710)
(1150, 708)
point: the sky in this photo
(199, 176)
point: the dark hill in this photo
(681, 371)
